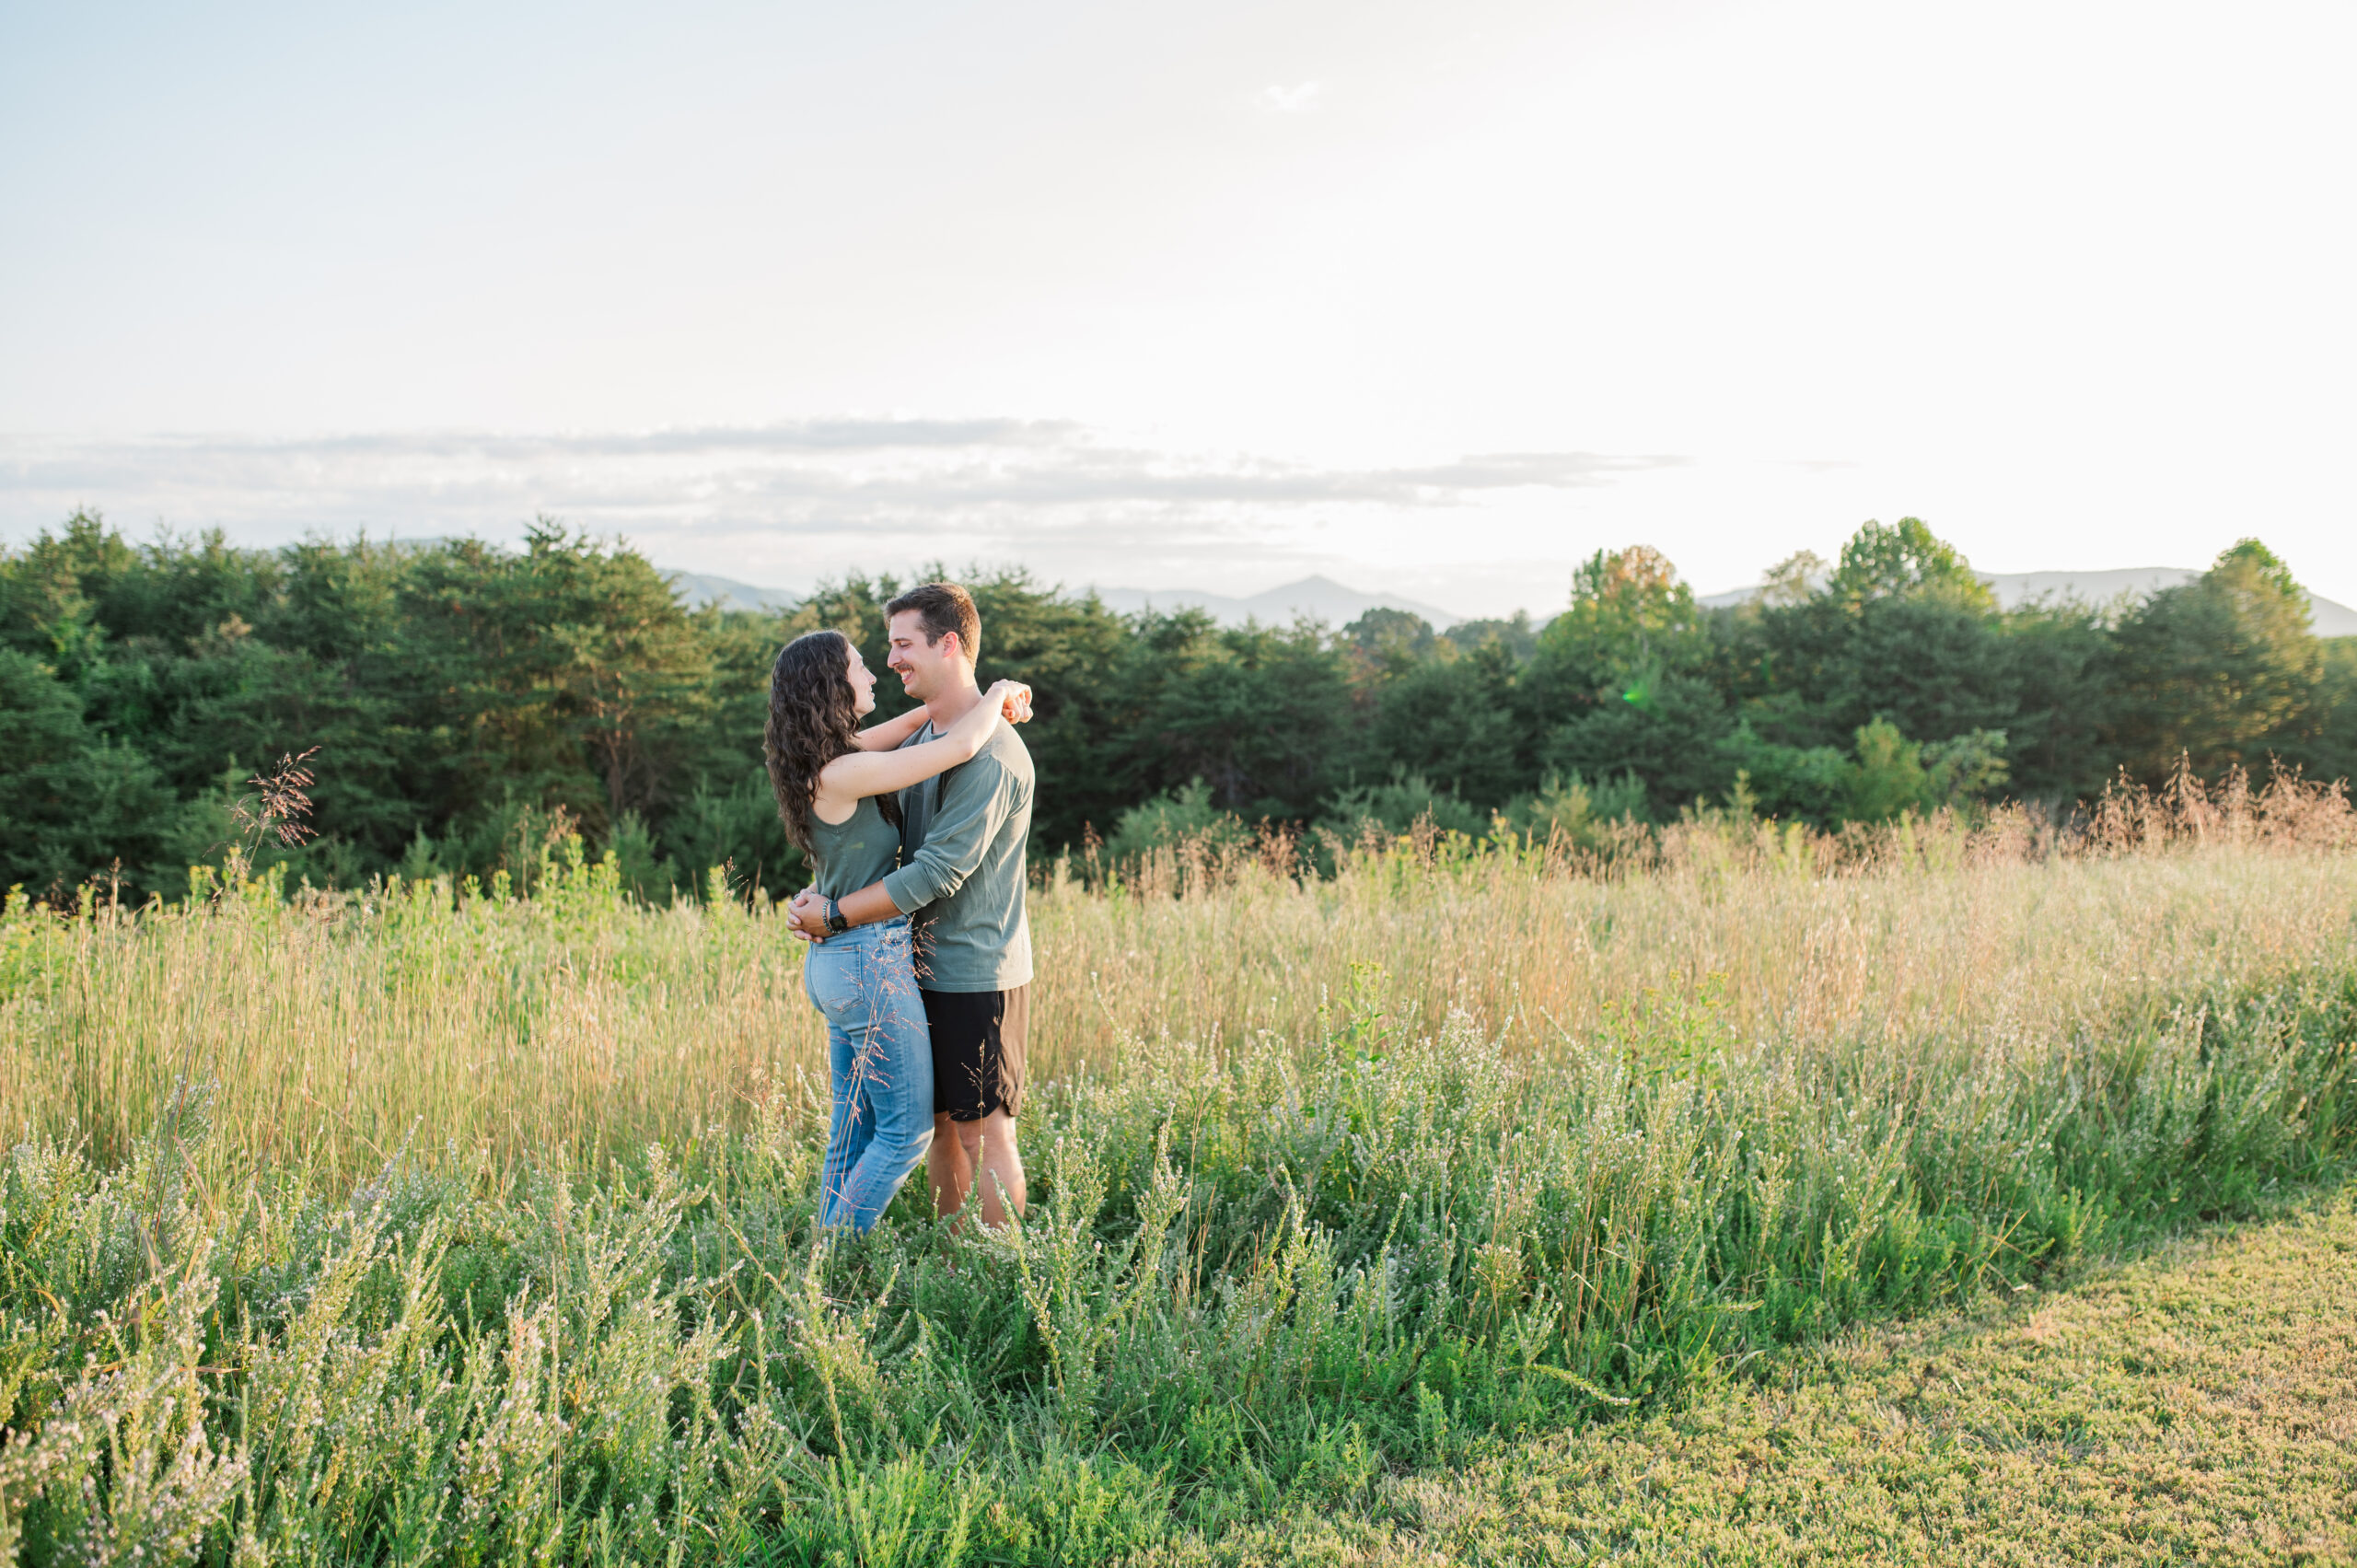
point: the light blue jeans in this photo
(880, 1062)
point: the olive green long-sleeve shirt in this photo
(962, 870)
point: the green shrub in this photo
(1395, 808)
(1571, 811)
(1184, 815)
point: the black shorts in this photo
(978, 1042)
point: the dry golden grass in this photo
(575, 1024)
(1788, 955)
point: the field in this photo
(1392, 1213)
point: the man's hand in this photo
(807, 916)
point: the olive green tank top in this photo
(849, 854)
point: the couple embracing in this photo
(921, 960)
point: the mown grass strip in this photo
(2197, 1406)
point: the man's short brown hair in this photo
(942, 607)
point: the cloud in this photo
(1299, 98)
(782, 503)
(794, 437)
(851, 470)
(1554, 470)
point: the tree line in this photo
(467, 701)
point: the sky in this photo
(1432, 299)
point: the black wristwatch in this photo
(836, 924)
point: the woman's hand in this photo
(806, 916)
(1013, 700)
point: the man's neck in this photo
(954, 704)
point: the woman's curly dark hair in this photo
(814, 718)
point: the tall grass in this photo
(574, 1025)
(1332, 1176)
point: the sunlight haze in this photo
(1433, 300)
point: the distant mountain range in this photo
(2327, 619)
(1322, 598)
(702, 588)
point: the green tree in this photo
(2058, 700)
(2329, 749)
(569, 671)
(1907, 561)
(468, 700)
(1515, 635)
(1389, 642)
(51, 590)
(72, 805)
(1900, 630)
(2222, 670)
(1255, 713)
(1447, 716)
(1662, 726)
(1628, 611)
(1621, 682)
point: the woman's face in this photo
(863, 685)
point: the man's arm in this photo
(864, 906)
(973, 808)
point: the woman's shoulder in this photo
(832, 789)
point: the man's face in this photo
(927, 669)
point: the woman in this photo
(835, 785)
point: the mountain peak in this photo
(1317, 596)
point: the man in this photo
(962, 876)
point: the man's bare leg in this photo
(948, 1167)
(997, 1165)
(968, 1155)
